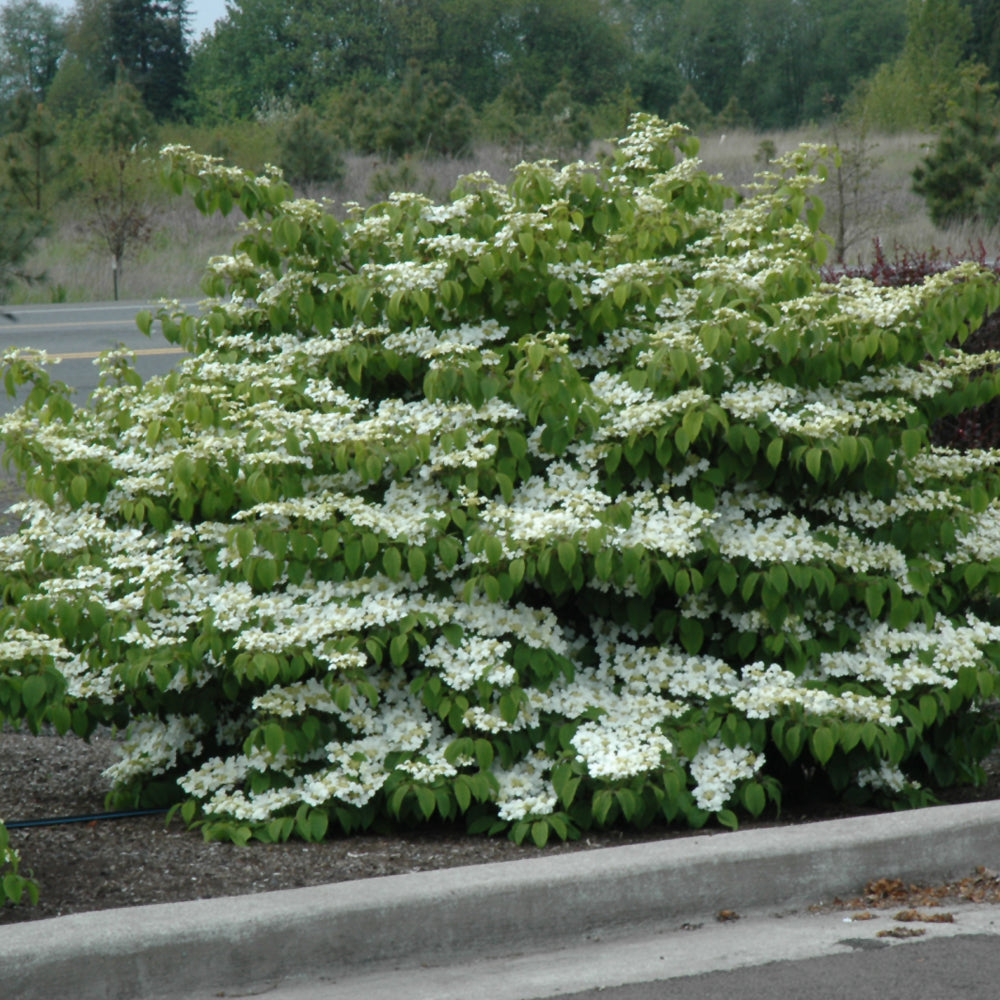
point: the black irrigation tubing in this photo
(90, 818)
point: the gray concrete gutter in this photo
(482, 911)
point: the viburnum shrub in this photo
(576, 501)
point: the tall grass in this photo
(171, 263)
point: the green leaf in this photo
(928, 708)
(823, 744)
(754, 798)
(728, 578)
(484, 754)
(565, 783)
(33, 690)
(416, 562)
(567, 555)
(399, 649)
(274, 738)
(911, 440)
(727, 818)
(78, 489)
(794, 737)
(494, 550)
(266, 571)
(874, 599)
(318, 823)
(392, 562)
(448, 551)
(426, 801)
(814, 462)
(13, 887)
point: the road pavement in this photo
(791, 956)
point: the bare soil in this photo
(103, 864)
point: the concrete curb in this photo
(483, 910)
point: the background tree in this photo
(710, 47)
(572, 39)
(116, 175)
(691, 110)
(960, 178)
(144, 42)
(653, 76)
(565, 124)
(86, 70)
(36, 163)
(777, 58)
(855, 201)
(984, 41)
(914, 90)
(857, 37)
(511, 118)
(309, 150)
(19, 231)
(148, 43)
(301, 49)
(32, 41)
(418, 116)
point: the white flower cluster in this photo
(476, 659)
(768, 690)
(633, 410)
(814, 413)
(717, 770)
(867, 512)
(903, 659)
(787, 538)
(152, 746)
(524, 790)
(885, 777)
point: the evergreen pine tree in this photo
(690, 110)
(959, 178)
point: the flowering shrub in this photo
(577, 501)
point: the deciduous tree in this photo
(116, 176)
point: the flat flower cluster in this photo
(572, 502)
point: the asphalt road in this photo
(958, 968)
(77, 333)
(788, 956)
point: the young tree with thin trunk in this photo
(115, 176)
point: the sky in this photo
(204, 13)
